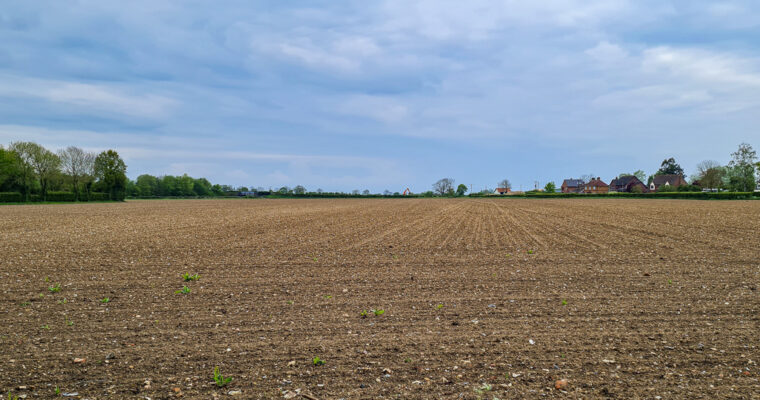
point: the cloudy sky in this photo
(385, 94)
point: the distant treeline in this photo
(148, 186)
(30, 172)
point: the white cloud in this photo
(88, 97)
(318, 58)
(660, 97)
(387, 110)
(702, 66)
(607, 53)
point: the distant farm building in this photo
(501, 191)
(627, 184)
(667, 180)
(595, 186)
(572, 186)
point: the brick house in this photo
(667, 180)
(572, 186)
(626, 184)
(595, 186)
(501, 191)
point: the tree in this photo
(46, 164)
(76, 163)
(186, 185)
(202, 187)
(9, 172)
(669, 167)
(147, 185)
(26, 175)
(365, 192)
(641, 175)
(505, 184)
(743, 167)
(299, 189)
(387, 192)
(461, 189)
(710, 174)
(550, 187)
(111, 172)
(587, 177)
(444, 186)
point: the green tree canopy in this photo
(461, 189)
(742, 167)
(24, 153)
(111, 172)
(669, 167)
(550, 187)
(9, 173)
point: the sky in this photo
(386, 94)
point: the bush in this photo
(689, 188)
(667, 189)
(11, 197)
(95, 196)
(60, 196)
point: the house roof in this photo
(502, 190)
(672, 179)
(624, 180)
(596, 182)
(572, 183)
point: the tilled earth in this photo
(476, 298)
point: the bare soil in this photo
(482, 298)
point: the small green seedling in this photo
(378, 312)
(485, 388)
(363, 314)
(187, 277)
(317, 361)
(290, 302)
(314, 258)
(57, 391)
(11, 396)
(184, 290)
(26, 303)
(440, 306)
(46, 327)
(564, 302)
(105, 300)
(328, 297)
(47, 279)
(531, 252)
(64, 301)
(42, 295)
(407, 360)
(55, 288)
(68, 321)
(220, 380)
(670, 281)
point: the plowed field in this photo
(482, 298)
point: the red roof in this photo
(597, 182)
